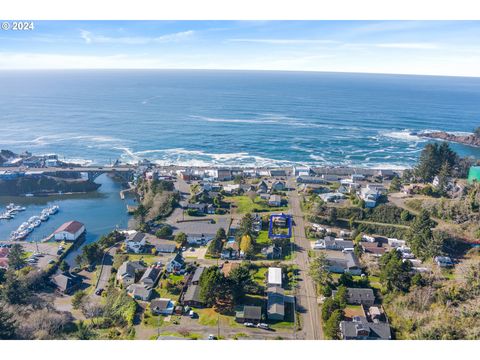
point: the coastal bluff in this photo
(470, 140)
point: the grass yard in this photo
(354, 310)
(152, 320)
(260, 275)
(209, 317)
(149, 259)
(262, 238)
(246, 205)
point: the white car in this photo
(211, 337)
(249, 324)
(263, 326)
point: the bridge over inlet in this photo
(124, 172)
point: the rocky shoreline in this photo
(470, 140)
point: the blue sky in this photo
(403, 47)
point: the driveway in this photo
(106, 269)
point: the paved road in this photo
(305, 294)
(106, 269)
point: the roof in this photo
(228, 267)
(136, 237)
(152, 274)
(71, 227)
(378, 330)
(139, 290)
(355, 295)
(129, 268)
(275, 300)
(275, 198)
(275, 276)
(169, 246)
(160, 304)
(178, 259)
(64, 282)
(193, 294)
(198, 273)
(252, 312)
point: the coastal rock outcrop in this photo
(471, 139)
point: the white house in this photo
(176, 264)
(135, 242)
(70, 231)
(275, 276)
(275, 200)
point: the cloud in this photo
(284, 41)
(415, 46)
(91, 38)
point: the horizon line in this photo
(239, 70)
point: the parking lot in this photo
(47, 251)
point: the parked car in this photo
(263, 326)
(249, 324)
(51, 262)
(211, 337)
(99, 292)
(192, 314)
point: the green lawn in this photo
(149, 259)
(262, 238)
(260, 275)
(209, 317)
(246, 205)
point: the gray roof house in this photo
(176, 263)
(150, 276)
(275, 303)
(361, 329)
(127, 271)
(330, 243)
(197, 274)
(139, 292)
(359, 296)
(251, 314)
(348, 264)
(192, 296)
(162, 306)
(66, 283)
(166, 247)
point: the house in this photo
(135, 242)
(298, 170)
(162, 306)
(332, 196)
(374, 248)
(348, 264)
(127, 271)
(66, 283)
(330, 243)
(311, 180)
(443, 261)
(359, 296)
(369, 238)
(369, 196)
(395, 243)
(70, 231)
(385, 173)
(275, 200)
(192, 296)
(176, 264)
(150, 277)
(275, 303)
(224, 175)
(278, 173)
(231, 251)
(256, 222)
(166, 247)
(274, 276)
(262, 187)
(199, 208)
(197, 275)
(361, 329)
(227, 268)
(357, 177)
(252, 314)
(139, 292)
(272, 252)
(231, 188)
(278, 186)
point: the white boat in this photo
(54, 209)
(44, 216)
(37, 223)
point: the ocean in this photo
(246, 118)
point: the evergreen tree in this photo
(332, 325)
(443, 177)
(181, 238)
(319, 270)
(16, 257)
(211, 283)
(476, 132)
(395, 184)
(64, 267)
(240, 280)
(7, 324)
(428, 164)
(420, 236)
(394, 272)
(14, 290)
